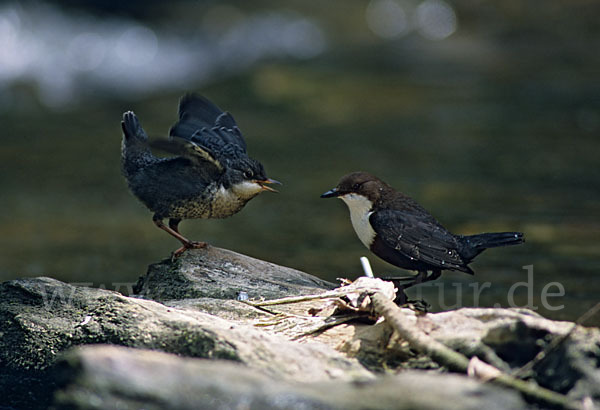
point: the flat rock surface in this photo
(110, 377)
(222, 274)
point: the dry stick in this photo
(447, 357)
(260, 308)
(297, 299)
(556, 342)
(336, 293)
(326, 326)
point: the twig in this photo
(260, 308)
(326, 326)
(591, 312)
(418, 340)
(361, 286)
(442, 354)
(298, 299)
(556, 342)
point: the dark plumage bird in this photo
(401, 232)
(211, 175)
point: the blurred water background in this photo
(487, 113)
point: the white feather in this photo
(360, 211)
(246, 189)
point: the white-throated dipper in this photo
(211, 175)
(400, 231)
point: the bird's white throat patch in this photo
(246, 189)
(360, 211)
(226, 202)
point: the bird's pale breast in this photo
(360, 211)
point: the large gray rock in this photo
(221, 274)
(40, 318)
(111, 377)
(510, 338)
(270, 357)
(506, 338)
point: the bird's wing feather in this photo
(190, 150)
(205, 124)
(416, 237)
(169, 181)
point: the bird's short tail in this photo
(475, 244)
(135, 153)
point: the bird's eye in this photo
(355, 187)
(248, 174)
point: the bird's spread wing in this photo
(418, 237)
(209, 128)
(188, 149)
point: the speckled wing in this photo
(208, 127)
(416, 237)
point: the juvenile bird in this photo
(211, 175)
(400, 231)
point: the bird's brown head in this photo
(358, 183)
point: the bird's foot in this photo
(196, 245)
(417, 305)
(188, 245)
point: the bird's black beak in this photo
(331, 194)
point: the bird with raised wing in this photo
(210, 176)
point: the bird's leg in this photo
(416, 305)
(174, 223)
(173, 231)
(401, 297)
(420, 277)
(434, 275)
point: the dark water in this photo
(497, 130)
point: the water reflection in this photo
(137, 46)
(86, 51)
(435, 19)
(64, 52)
(387, 18)
(432, 19)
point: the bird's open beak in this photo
(268, 181)
(331, 193)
